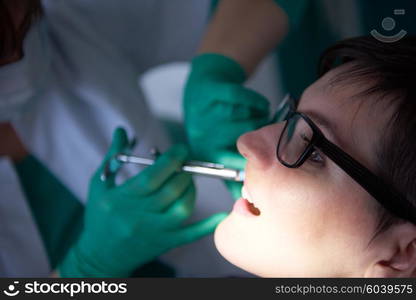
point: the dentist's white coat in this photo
(92, 53)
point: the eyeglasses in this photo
(301, 137)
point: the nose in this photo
(259, 146)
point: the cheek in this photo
(312, 222)
(315, 202)
(283, 240)
(295, 207)
(352, 209)
(309, 225)
(321, 211)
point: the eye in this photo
(305, 138)
(317, 157)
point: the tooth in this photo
(245, 195)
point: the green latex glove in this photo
(130, 224)
(218, 109)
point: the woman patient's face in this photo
(314, 220)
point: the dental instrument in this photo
(193, 167)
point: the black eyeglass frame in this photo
(384, 193)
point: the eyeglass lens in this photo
(295, 140)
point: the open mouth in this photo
(250, 203)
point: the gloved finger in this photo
(229, 159)
(197, 230)
(234, 160)
(234, 188)
(221, 110)
(170, 191)
(118, 144)
(249, 97)
(237, 128)
(233, 94)
(202, 135)
(181, 209)
(219, 113)
(235, 117)
(153, 177)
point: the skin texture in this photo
(245, 30)
(11, 144)
(316, 221)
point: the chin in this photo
(227, 242)
(220, 238)
(244, 245)
(231, 243)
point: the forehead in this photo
(358, 122)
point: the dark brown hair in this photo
(390, 70)
(12, 35)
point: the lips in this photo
(250, 202)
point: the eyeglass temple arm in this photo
(380, 190)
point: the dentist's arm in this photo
(245, 30)
(11, 145)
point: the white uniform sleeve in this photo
(149, 32)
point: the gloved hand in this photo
(218, 109)
(130, 224)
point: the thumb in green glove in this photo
(133, 223)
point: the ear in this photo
(396, 253)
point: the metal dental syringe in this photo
(193, 167)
